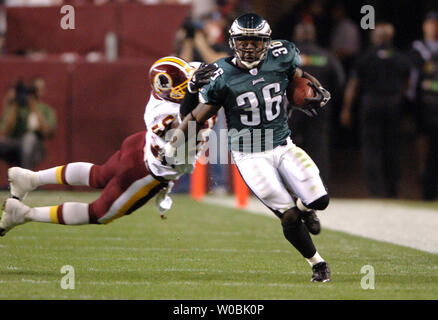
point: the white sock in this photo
(71, 213)
(315, 259)
(75, 174)
(301, 206)
(48, 176)
(41, 214)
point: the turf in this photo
(200, 252)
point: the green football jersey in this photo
(253, 100)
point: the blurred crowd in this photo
(25, 123)
(376, 83)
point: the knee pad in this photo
(319, 204)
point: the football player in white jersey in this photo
(130, 177)
(165, 110)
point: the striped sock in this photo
(70, 213)
(75, 174)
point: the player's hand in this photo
(166, 153)
(312, 105)
(201, 77)
(163, 201)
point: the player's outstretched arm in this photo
(200, 78)
(199, 116)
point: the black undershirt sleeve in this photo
(189, 103)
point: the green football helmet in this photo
(250, 37)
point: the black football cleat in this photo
(311, 221)
(321, 272)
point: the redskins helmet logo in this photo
(169, 77)
(162, 82)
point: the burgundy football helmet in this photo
(169, 77)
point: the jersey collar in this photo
(254, 71)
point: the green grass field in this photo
(200, 252)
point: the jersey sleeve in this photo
(214, 92)
(288, 54)
(294, 55)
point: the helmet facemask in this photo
(250, 37)
(179, 91)
(250, 50)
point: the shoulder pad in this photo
(285, 53)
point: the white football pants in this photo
(275, 174)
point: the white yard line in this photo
(379, 220)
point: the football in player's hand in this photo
(298, 90)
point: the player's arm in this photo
(188, 104)
(299, 73)
(200, 78)
(197, 117)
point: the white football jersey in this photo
(158, 116)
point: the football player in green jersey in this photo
(250, 86)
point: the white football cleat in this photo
(21, 181)
(14, 214)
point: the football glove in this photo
(166, 153)
(201, 77)
(312, 105)
(163, 201)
